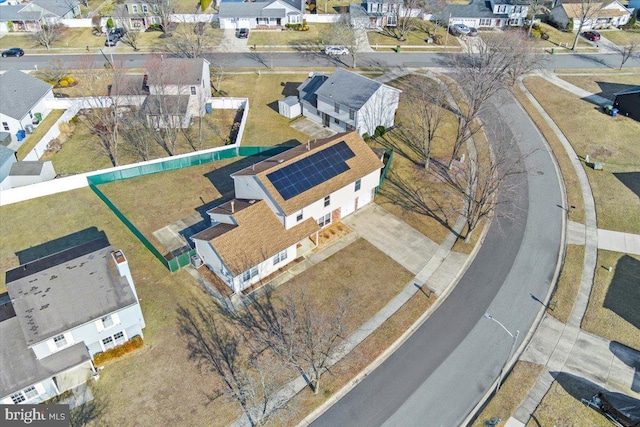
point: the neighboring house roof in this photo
(476, 9)
(361, 164)
(174, 105)
(20, 92)
(257, 236)
(628, 91)
(255, 9)
(26, 168)
(5, 138)
(20, 368)
(54, 294)
(177, 71)
(19, 12)
(6, 154)
(56, 7)
(129, 84)
(350, 89)
(574, 10)
(307, 90)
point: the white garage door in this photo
(364, 200)
(348, 208)
(243, 23)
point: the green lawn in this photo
(569, 283)
(604, 85)
(605, 139)
(38, 133)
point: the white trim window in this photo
(114, 340)
(107, 322)
(250, 274)
(193, 90)
(358, 185)
(485, 22)
(145, 9)
(134, 8)
(60, 341)
(27, 394)
(327, 201)
(279, 257)
(324, 220)
(299, 216)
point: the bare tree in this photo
(163, 10)
(628, 51)
(131, 36)
(216, 346)
(135, 134)
(428, 102)
(346, 33)
(436, 8)
(189, 40)
(55, 70)
(585, 10)
(47, 34)
(299, 332)
(535, 7)
(220, 62)
(403, 18)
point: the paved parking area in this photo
(230, 43)
(313, 129)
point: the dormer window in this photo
(60, 341)
(336, 107)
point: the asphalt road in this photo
(440, 373)
(306, 59)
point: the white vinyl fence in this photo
(322, 18)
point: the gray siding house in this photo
(347, 101)
(58, 312)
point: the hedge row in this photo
(118, 351)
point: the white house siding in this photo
(378, 110)
(342, 198)
(130, 318)
(40, 107)
(5, 168)
(248, 187)
(265, 268)
(208, 254)
(46, 389)
(227, 23)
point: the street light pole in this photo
(513, 346)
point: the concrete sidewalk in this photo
(609, 240)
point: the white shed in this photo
(29, 172)
(290, 107)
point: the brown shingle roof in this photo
(257, 237)
(574, 10)
(363, 163)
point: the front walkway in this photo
(609, 240)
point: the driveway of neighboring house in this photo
(405, 245)
(363, 41)
(231, 43)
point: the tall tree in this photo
(403, 18)
(189, 40)
(585, 11)
(535, 7)
(163, 10)
(346, 33)
(47, 34)
(631, 50)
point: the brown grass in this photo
(561, 406)
(605, 85)
(572, 185)
(521, 379)
(38, 133)
(613, 312)
(567, 290)
(606, 139)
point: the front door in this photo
(325, 119)
(347, 209)
(364, 199)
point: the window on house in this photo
(134, 8)
(327, 201)
(18, 398)
(485, 22)
(352, 114)
(119, 338)
(336, 120)
(299, 216)
(60, 341)
(30, 392)
(249, 274)
(336, 107)
(107, 322)
(5, 125)
(324, 220)
(280, 257)
(358, 184)
(193, 90)
(145, 9)
(108, 343)
(155, 8)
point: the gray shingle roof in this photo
(255, 9)
(56, 293)
(177, 71)
(16, 13)
(20, 368)
(57, 7)
(476, 9)
(20, 92)
(28, 168)
(347, 88)
(307, 90)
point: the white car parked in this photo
(336, 50)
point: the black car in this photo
(14, 51)
(242, 33)
(118, 32)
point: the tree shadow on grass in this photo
(631, 180)
(61, 243)
(623, 293)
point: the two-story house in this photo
(604, 15)
(381, 13)
(347, 101)
(32, 15)
(282, 202)
(179, 89)
(58, 312)
(136, 15)
(25, 101)
(488, 13)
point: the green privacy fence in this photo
(383, 175)
(164, 166)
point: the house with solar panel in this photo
(59, 311)
(282, 202)
(347, 101)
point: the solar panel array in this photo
(313, 170)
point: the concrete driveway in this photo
(231, 43)
(405, 245)
(313, 129)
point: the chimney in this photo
(308, 145)
(122, 265)
(233, 205)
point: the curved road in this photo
(439, 374)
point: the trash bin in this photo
(28, 128)
(614, 112)
(38, 116)
(608, 108)
(20, 135)
(398, 49)
(553, 50)
(208, 108)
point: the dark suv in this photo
(14, 51)
(242, 33)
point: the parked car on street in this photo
(594, 36)
(460, 30)
(336, 50)
(242, 33)
(14, 51)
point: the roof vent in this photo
(233, 206)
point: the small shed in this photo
(7, 159)
(30, 172)
(5, 138)
(628, 102)
(290, 107)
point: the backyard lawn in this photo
(605, 139)
(38, 133)
(613, 305)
